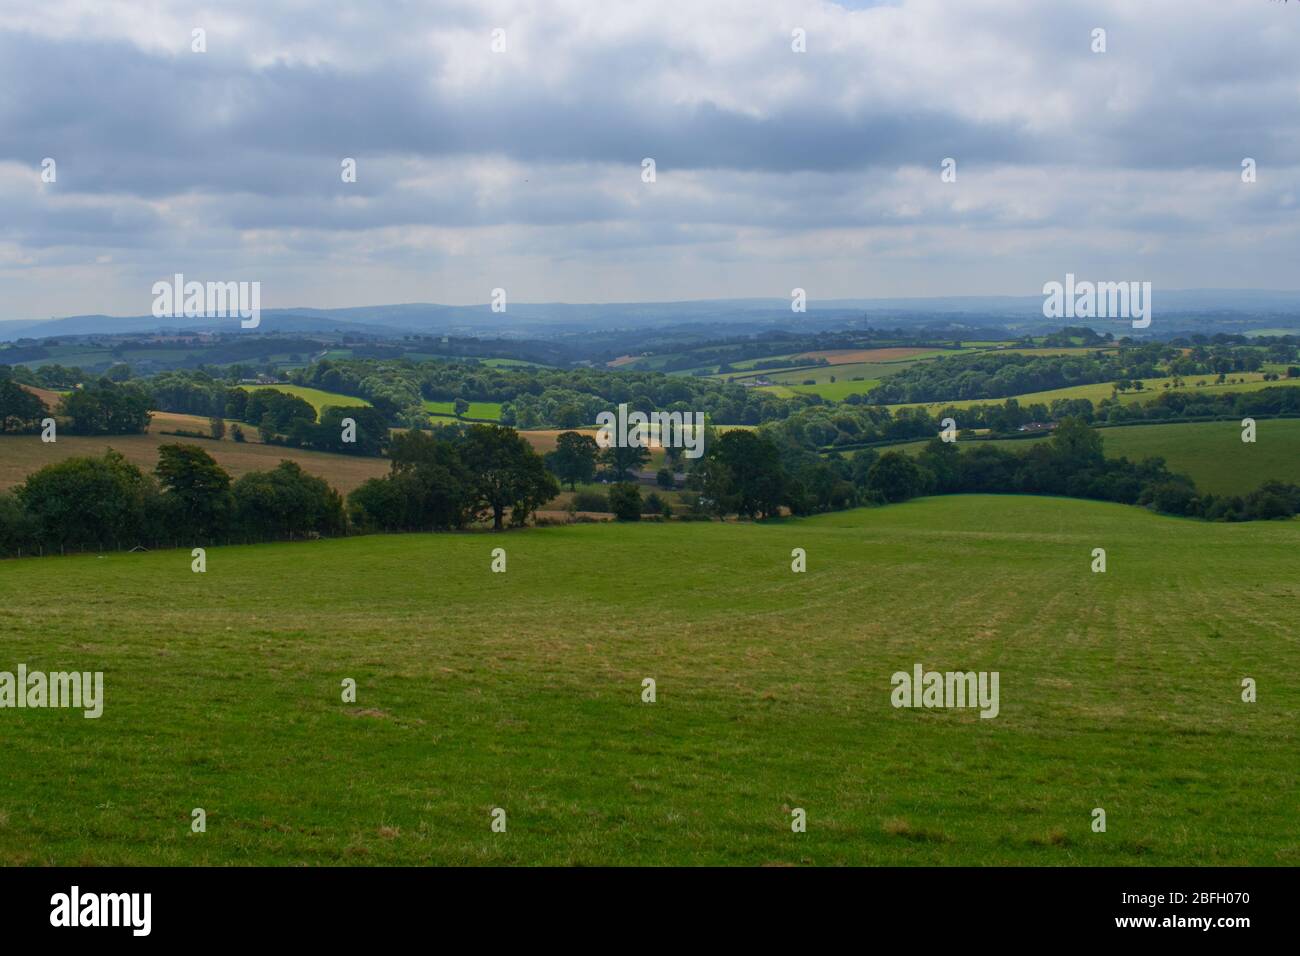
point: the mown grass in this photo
(522, 691)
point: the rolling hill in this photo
(519, 691)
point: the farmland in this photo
(22, 454)
(1212, 453)
(485, 411)
(315, 397)
(520, 691)
(1151, 388)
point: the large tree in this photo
(107, 408)
(742, 473)
(622, 459)
(90, 501)
(505, 473)
(574, 458)
(195, 488)
(20, 410)
(429, 487)
(286, 501)
(896, 477)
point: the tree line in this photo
(461, 476)
(762, 474)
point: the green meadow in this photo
(835, 391)
(489, 411)
(317, 398)
(1151, 388)
(1212, 453)
(523, 691)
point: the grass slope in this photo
(522, 691)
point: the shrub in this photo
(590, 501)
(625, 501)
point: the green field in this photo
(317, 398)
(835, 391)
(489, 411)
(511, 363)
(825, 373)
(523, 691)
(1212, 453)
(1095, 392)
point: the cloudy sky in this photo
(522, 168)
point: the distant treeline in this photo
(541, 397)
(1001, 374)
(530, 397)
(757, 473)
(1071, 463)
(105, 407)
(853, 424)
(458, 477)
(100, 408)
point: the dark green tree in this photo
(20, 410)
(505, 473)
(574, 458)
(196, 490)
(625, 501)
(895, 477)
(620, 460)
(87, 501)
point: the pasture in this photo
(315, 397)
(487, 411)
(523, 691)
(1151, 388)
(1211, 453)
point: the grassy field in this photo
(835, 391)
(511, 363)
(22, 454)
(1212, 453)
(523, 691)
(316, 397)
(490, 411)
(823, 373)
(1095, 392)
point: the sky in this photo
(522, 167)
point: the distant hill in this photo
(1175, 310)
